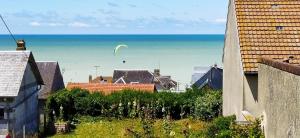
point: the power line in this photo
(8, 28)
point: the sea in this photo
(82, 55)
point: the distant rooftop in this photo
(52, 77)
(108, 88)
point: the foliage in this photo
(226, 127)
(131, 104)
(252, 130)
(167, 127)
(96, 127)
(208, 106)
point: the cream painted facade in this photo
(239, 89)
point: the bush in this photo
(226, 127)
(252, 130)
(209, 105)
(130, 104)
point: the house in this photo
(108, 88)
(20, 83)
(100, 79)
(213, 79)
(198, 73)
(53, 80)
(144, 77)
(133, 76)
(264, 28)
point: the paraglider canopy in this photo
(119, 47)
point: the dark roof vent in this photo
(21, 45)
(275, 6)
(279, 28)
(287, 60)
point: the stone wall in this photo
(279, 97)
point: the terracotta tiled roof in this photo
(107, 89)
(268, 28)
(280, 65)
(98, 79)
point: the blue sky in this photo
(114, 16)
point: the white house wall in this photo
(233, 72)
(251, 100)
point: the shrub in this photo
(226, 127)
(252, 130)
(130, 103)
(209, 105)
(220, 127)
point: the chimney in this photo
(215, 65)
(21, 45)
(287, 60)
(156, 72)
(90, 78)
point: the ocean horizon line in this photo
(115, 34)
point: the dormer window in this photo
(274, 6)
(279, 28)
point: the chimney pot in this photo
(90, 78)
(21, 45)
(156, 72)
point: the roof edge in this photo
(294, 69)
(250, 72)
(35, 69)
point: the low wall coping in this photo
(291, 68)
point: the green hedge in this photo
(130, 103)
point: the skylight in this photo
(274, 6)
(279, 28)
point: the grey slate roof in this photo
(12, 69)
(52, 77)
(213, 78)
(198, 73)
(144, 77)
(167, 80)
(129, 76)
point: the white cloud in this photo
(78, 24)
(35, 24)
(55, 24)
(220, 20)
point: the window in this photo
(279, 28)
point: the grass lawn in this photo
(117, 128)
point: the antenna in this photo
(8, 29)
(159, 64)
(97, 70)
